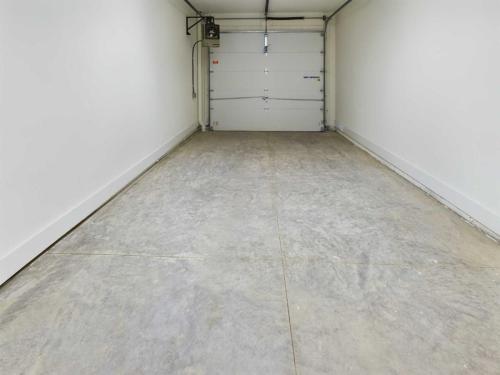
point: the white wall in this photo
(92, 92)
(418, 83)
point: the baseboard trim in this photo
(471, 211)
(24, 253)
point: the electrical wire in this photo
(192, 67)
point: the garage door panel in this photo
(260, 115)
(293, 95)
(238, 62)
(230, 84)
(242, 62)
(294, 115)
(315, 105)
(293, 120)
(280, 62)
(236, 94)
(238, 104)
(278, 42)
(276, 84)
(296, 42)
(294, 86)
(240, 114)
(241, 42)
(260, 62)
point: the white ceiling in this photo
(257, 6)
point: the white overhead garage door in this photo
(278, 91)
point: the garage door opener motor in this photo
(211, 33)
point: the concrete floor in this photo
(260, 253)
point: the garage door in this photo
(278, 91)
